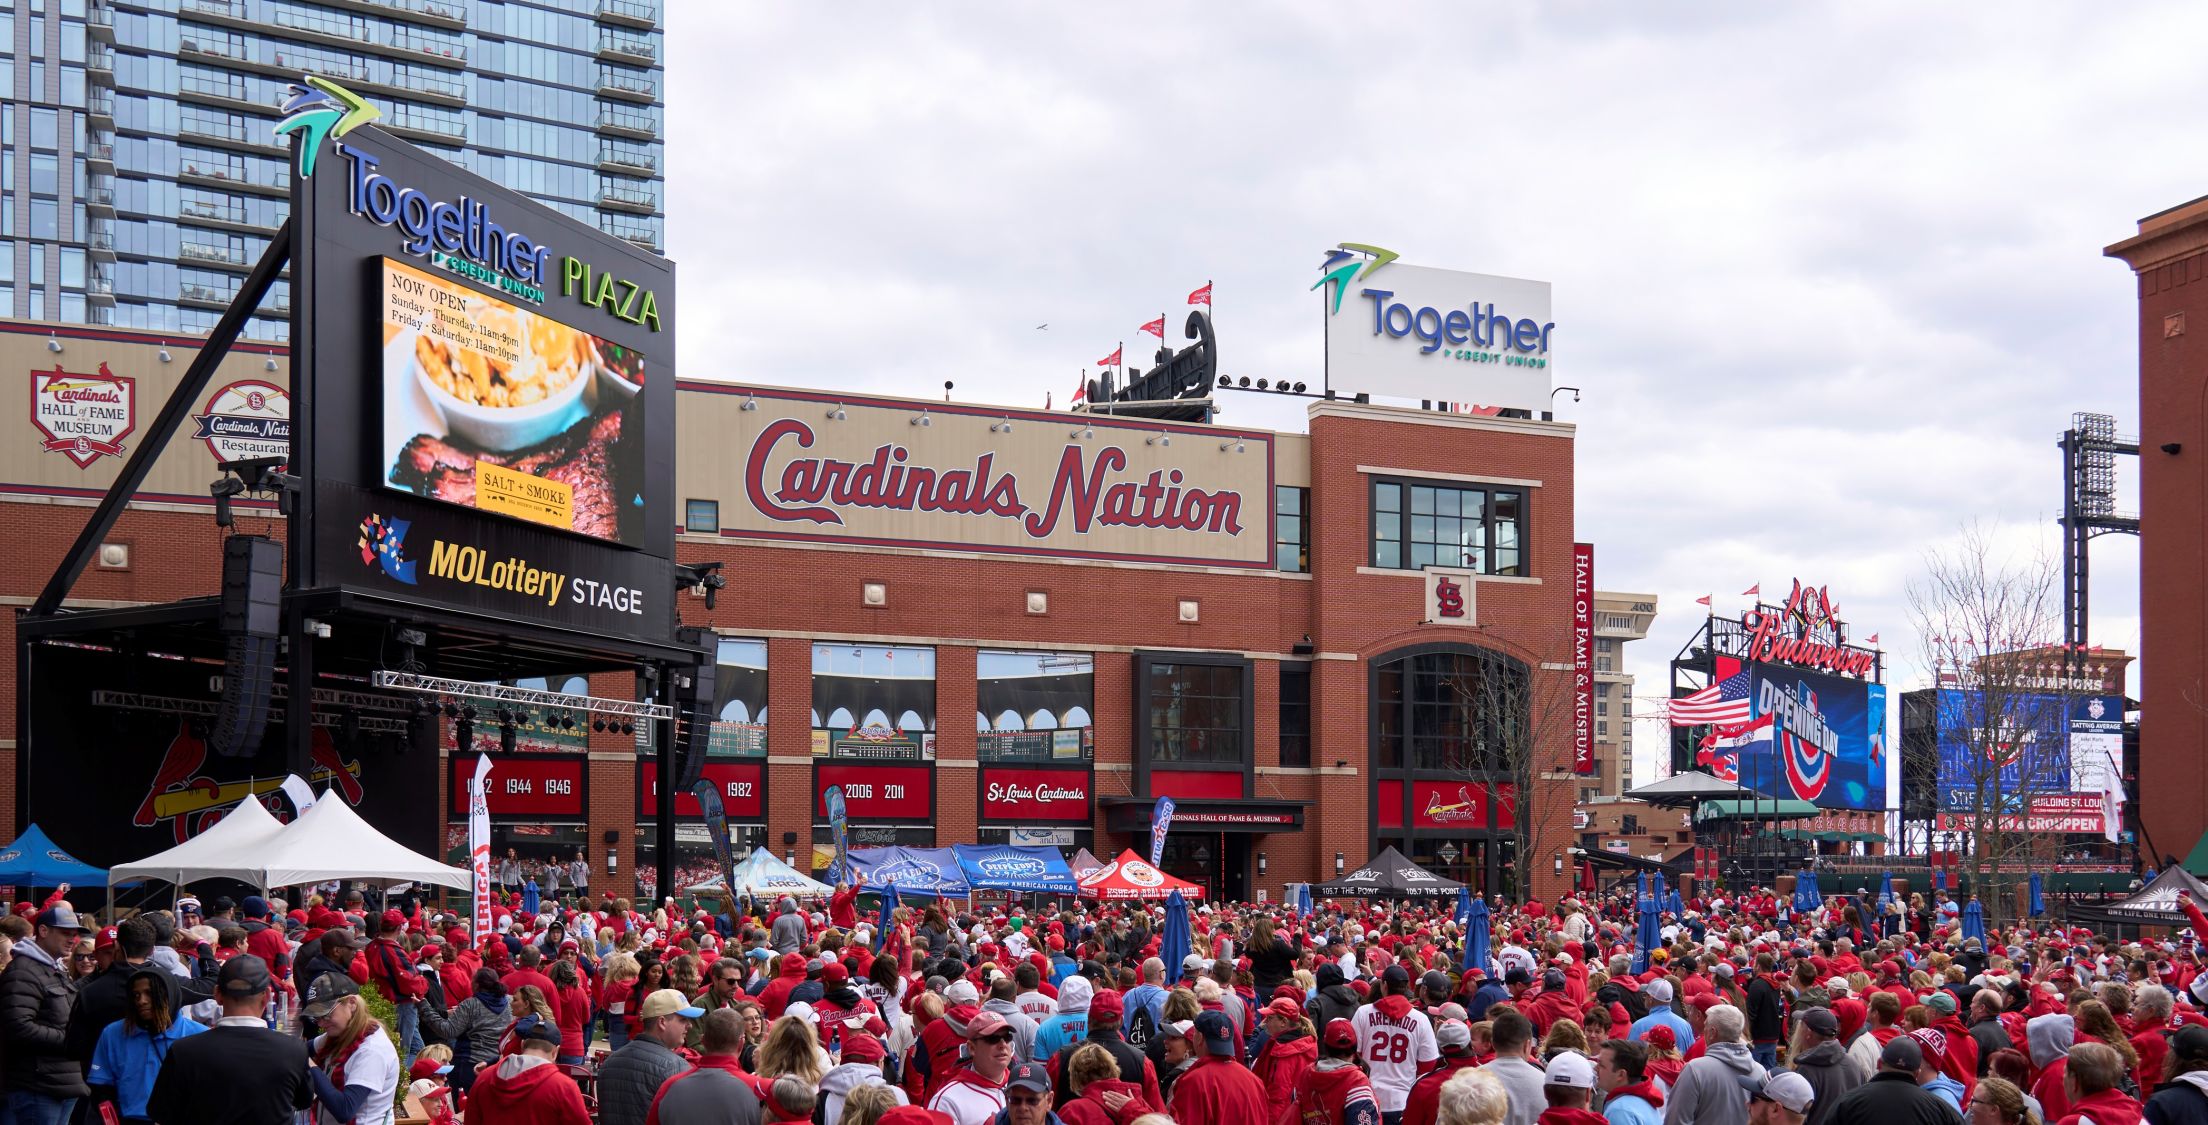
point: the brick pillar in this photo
(1341, 821)
(615, 795)
(790, 745)
(957, 779)
(1115, 715)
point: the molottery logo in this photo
(320, 109)
(383, 545)
(1342, 264)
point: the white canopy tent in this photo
(236, 847)
(331, 842)
(762, 876)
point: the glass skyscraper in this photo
(142, 178)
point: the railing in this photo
(338, 27)
(620, 43)
(207, 293)
(217, 211)
(99, 15)
(100, 195)
(101, 242)
(101, 284)
(201, 252)
(211, 127)
(414, 78)
(212, 7)
(213, 85)
(634, 197)
(97, 151)
(633, 121)
(629, 9)
(405, 118)
(99, 58)
(100, 103)
(316, 62)
(432, 8)
(627, 157)
(609, 79)
(633, 230)
(414, 39)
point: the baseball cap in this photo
(962, 992)
(254, 906)
(1193, 963)
(1107, 1004)
(1553, 980)
(1340, 1033)
(243, 975)
(1517, 974)
(1570, 1068)
(538, 1029)
(759, 953)
(326, 991)
(1658, 990)
(1186, 1029)
(1030, 1076)
(60, 917)
(1902, 1053)
(669, 1002)
(103, 939)
(1218, 1032)
(1822, 1021)
(1396, 974)
(1788, 1089)
(1285, 1008)
(1942, 1002)
(986, 1024)
(2190, 1042)
(1453, 1035)
(858, 1046)
(1837, 986)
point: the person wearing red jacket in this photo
(527, 1087)
(776, 997)
(1424, 1103)
(1290, 1050)
(1218, 1090)
(843, 907)
(1552, 1003)
(1335, 1090)
(2090, 1081)
(1960, 1060)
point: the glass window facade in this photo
(1196, 713)
(873, 701)
(1295, 714)
(1034, 706)
(1417, 524)
(1458, 710)
(145, 131)
(1292, 529)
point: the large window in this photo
(740, 700)
(873, 701)
(1197, 713)
(1416, 525)
(1292, 529)
(1454, 710)
(1295, 713)
(1034, 706)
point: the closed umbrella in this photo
(1646, 934)
(1974, 920)
(1477, 931)
(889, 903)
(1885, 898)
(1673, 904)
(529, 897)
(1173, 942)
(2039, 900)
(1304, 905)
(1802, 885)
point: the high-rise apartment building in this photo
(142, 178)
(1618, 618)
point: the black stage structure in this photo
(416, 563)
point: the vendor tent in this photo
(232, 848)
(763, 877)
(1128, 878)
(2156, 903)
(915, 872)
(1083, 863)
(34, 860)
(330, 842)
(1390, 875)
(1003, 867)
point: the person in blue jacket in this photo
(131, 1050)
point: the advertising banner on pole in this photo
(479, 844)
(1583, 658)
(839, 822)
(708, 795)
(1161, 822)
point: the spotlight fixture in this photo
(1299, 388)
(1083, 433)
(598, 725)
(270, 362)
(751, 402)
(1004, 427)
(1245, 381)
(836, 414)
(1159, 439)
(165, 356)
(1264, 384)
(52, 344)
(922, 420)
(1235, 446)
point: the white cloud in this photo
(1830, 274)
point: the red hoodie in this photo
(1423, 1104)
(1281, 1067)
(1089, 1109)
(1571, 1115)
(776, 997)
(532, 1094)
(1332, 1093)
(2109, 1107)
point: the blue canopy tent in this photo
(912, 872)
(1974, 920)
(34, 860)
(1173, 940)
(1005, 867)
(1478, 932)
(1673, 905)
(2039, 896)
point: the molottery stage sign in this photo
(1414, 332)
(481, 430)
(915, 474)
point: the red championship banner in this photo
(874, 793)
(539, 787)
(1583, 658)
(743, 787)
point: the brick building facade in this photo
(1252, 627)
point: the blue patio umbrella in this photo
(1479, 932)
(1646, 934)
(530, 896)
(1673, 904)
(1304, 906)
(1939, 879)
(2039, 900)
(1805, 890)
(1173, 941)
(1974, 920)
(889, 903)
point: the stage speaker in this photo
(694, 719)
(252, 621)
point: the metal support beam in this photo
(173, 413)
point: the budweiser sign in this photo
(1806, 633)
(84, 417)
(936, 475)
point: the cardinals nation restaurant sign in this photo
(966, 478)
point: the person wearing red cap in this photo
(1106, 1008)
(860, 1065)
(1334, 1091)
(974, 1095)
(1290, 1050)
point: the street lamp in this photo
(1261, 863)
(1560, 864)
(1337, 865)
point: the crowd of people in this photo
(1740, 1012)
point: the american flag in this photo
(1724, 702)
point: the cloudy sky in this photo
(1829, 274)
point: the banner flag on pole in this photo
(1161, 822)
(1201, 296)
(1156, 328)
(1112, 360)
(479, 845)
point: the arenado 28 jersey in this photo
(1394, 1049)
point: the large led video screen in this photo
(1809, 737)
(2007, 744)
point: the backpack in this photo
(1140, 1027)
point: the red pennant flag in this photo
(1703, 600)
(1201, 296)
(1874, 638)
(1111, 360)
(1081, 391)
(1753, 591)
(1156, 328)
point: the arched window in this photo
(1450, 708)
(876, 718)
(735, 712)
(981, 723)
(1042, 720)
(1076, 718)
(840, 719)
(910, 721)
(1010, 720)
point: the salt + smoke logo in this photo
(383, 545)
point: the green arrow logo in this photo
(319, 109)
(1342, 265)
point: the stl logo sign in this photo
(1342, 265)
(318, 110)
(84, 417)
(1449, 597)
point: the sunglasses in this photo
(1024, 1099)
(1000, 1037)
